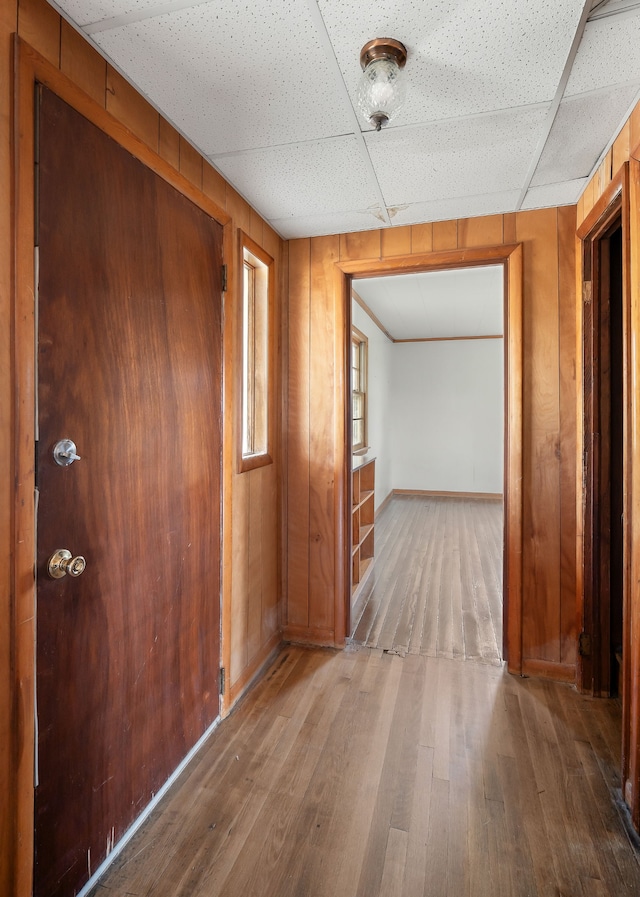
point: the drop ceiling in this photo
(510, 103)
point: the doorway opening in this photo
(509, 257)
(431, 392)
(602, 639)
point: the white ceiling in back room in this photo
(509, 104)
(461, 303)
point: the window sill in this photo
(251, 462)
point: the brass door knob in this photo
(62, 562)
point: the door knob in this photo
(62, 562)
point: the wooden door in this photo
(129, 355)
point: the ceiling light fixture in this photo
(382, 87)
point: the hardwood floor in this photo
(362, 773)
(436, 585)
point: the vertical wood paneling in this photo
(190, 163)
(362, 245)
(621, 148)
(256, 228)
(8, 723)
(240, 576)
(541, 549)
(445, 235)
(298, 424)
(82, 63)
(129, 107)
(214, 185)
(589, 195)
(485, 231)
(239, 209)
(269, 553)
(396, 241)
(634, 130)
(39, 26)
(567, 327)
(421, 238)
(509, 227)
(169, 143)
(325, 251)
(254, 585)
(543, 546)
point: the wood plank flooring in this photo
(436, 585)
(363, 773)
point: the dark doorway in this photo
(604, 364)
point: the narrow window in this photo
(255, 428)
(359, 390)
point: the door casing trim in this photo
(511, 258)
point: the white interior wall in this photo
(379, 399)
(446, 416)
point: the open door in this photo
(129, 356)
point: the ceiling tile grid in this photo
(266, 88)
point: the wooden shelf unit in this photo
(362, 519)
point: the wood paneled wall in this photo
(251, 614)
(314, 421)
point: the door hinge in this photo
(584, 644)
(224, 278)
(223, 680)
(587, 292)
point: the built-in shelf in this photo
(362, 516)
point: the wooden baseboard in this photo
(547, 669)
(253, 672)
(428, 493)
(309, 635)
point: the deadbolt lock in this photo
(65, 452)
(62, 562)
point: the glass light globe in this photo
(382, 91)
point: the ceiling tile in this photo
(594, 117)
(461, 207)
(609, 53)
(322, 225)
(565, 194)
(85, 12)
(313, 178)
(463, 302)
(463, 57)
(455, 158)
(234, 76)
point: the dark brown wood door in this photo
(129, 357)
